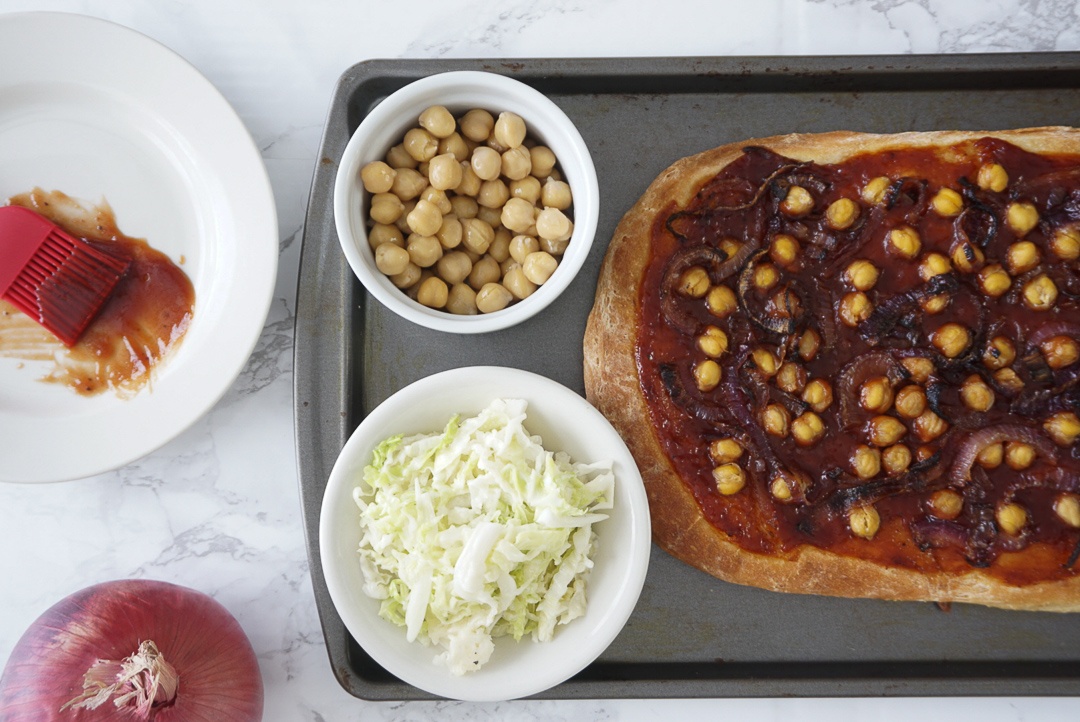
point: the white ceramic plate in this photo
(100, 112)
(565, 422)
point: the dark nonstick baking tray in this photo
(691, 635)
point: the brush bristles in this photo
(65, 284)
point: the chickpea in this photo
(539, 266)
(454, 145)
(1066, 243)
(713, 342)
(494, 194)
(424, 251)
(517, 163)
(555, 248)
(730, 246)
(904, 242)
(1063, 427)
(861, 274)
(694, 282)
(781, 489)
(809, 344)
(510, 130)
(967, 258)
(992, 177)
(910, 402)
(521, 246)
(924, 452)
(527, 189)
(450, 232)
(721, 301)
(725, 450)
(707, 375)
(807, 429)
(976, 394)
(866, 462)
(1018, 455)
(433, 293)
(1021, 257)
(476, 125)
(864, 521)
(1060, 351)
(420, 144)
(438, 121)
(1021, 217)
(552, 223)
(476, 235)
(994, 280)
(765, 276)
(935, 304)
(407, 278)
(1040, 293)
(484, 272)
(776, 420)
(1011, 517)
(391, 259)
(444, 172)
(425, 219)
(386, 208)
(377, 177)
(729, 478)
(555, 194)
(493, 297)
(999, 353)
(946, 504)
(784, 250)
(437, 198)
(518, 283)
(874, 190)
(841, 214)
(934, 264)
(876, 394)
(896, 459)
(929, 426)
(381, 233)
(469, 185)
(454, 267)
(1008, 379)
(854, 308)
(486, 163)
(947, 202)
(499, 249)
(766, 362)
(408, 184)
(951, 340)
(791, 377)
(543, 161)
(885, 430)
(397, 158)
(818, 395)
(991, 456)
(797, 202)
(461, 300)
(403, 220)
(919, 367)
(1067, 507)
(517, 215)
(464, 206)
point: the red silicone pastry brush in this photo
(58, 280)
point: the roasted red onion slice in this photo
(852, 376)
(972, 446)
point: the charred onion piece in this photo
(782, 325)
(688, 402)
(712, 259)
(977, 223)
(1055, 328)
(924, 476)
(972, 446)
(852, 376)
(911, 190)
(887, 315)
(938, 534)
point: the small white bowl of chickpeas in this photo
(466, 202)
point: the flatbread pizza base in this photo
(612, 385)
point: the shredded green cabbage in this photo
(478, 532)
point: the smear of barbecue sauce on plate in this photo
(139, 327)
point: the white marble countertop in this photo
(217, 509)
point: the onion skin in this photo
(219, 674)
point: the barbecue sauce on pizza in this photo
(879, 357)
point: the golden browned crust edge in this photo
(611, 383)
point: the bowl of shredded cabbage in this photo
(484, 534)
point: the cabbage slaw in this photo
(478, 532)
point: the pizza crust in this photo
(612, 385)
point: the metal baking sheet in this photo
(691, 635)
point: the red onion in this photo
(857, 371)
(133, 650)
(971, 447)
(1055, 328)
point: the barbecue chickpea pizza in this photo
(849, 364)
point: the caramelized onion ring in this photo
(972, 446)
(852, 376)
